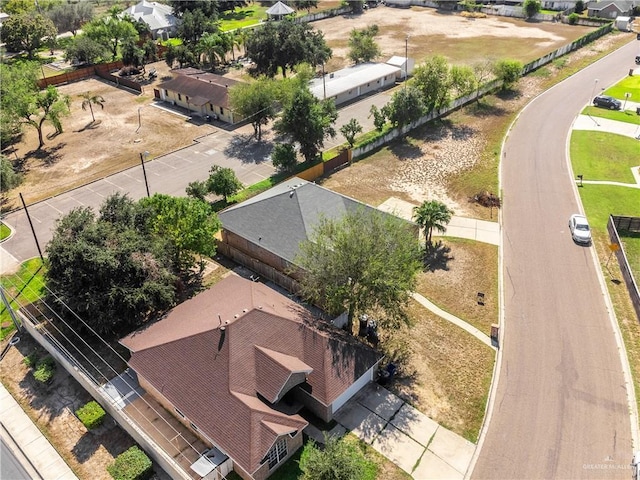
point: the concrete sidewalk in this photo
(598, 124)
(462, 227)
(406, 436)
(30, 442)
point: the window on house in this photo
(193, 425)
(179, 412)
(221, 111)
(179, 97)
(187, 97)
(277, 453)
(166, 93)
(367, 84)
(211, 107)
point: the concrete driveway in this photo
(406, 436)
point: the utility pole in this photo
(144, 172)
(24, 205)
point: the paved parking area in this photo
(406, 436)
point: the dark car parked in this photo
(607, 102)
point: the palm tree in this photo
(430, 215)
(90, 100)
(211, 45)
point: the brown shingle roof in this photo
(273, 371)
(201, 87)
(213, 375)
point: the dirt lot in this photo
(90, 150)
(460, 39)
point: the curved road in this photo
(561, 408)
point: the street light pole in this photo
(144, 172)
(406, 59)
(593, 92)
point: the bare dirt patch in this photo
(462, 40)
(128, 125)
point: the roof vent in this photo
(235, 316)
(259, 307)
(244, 310)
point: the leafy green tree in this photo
(194, 25)
(10, 178)
(69, 17)
(150, 51)
(17, 7)
(406, 106)
(430, 215)
(256, 102)
(463, 80)
(350, 130)
(433, 80)
(284, 157)
(180, 53)
(213, 47)
(340, 459)
(27, 31)
(379, 117)
(366, 261)
(197, 190)
(223, 181)
(573, 18)
(278, 46)
(23, 101)
(89, 100)
(188, 224)
(531, 7)
(111, 31)
(305, 5)
(132, 54)
(308, 121)
(83, 49)
(98, 267)
(509, 71)
(362, 45)
(209, 8)
(579, 7)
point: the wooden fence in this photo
(102, 70)
(627, 274)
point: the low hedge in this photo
(91, 415)
(45, 368)
(132, 464)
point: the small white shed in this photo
(624, 24)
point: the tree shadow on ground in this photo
(508, 94)
(437, 257)
(48, 155)
(483, 110)
(105, 436)
(89, 126)
(248, 150)
(405, 150)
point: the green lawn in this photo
(4, 231)
(243, 17)
(628, 85)
(631, 243)
(628, 116)
(27, 285)
(604, 156)
(600, 201)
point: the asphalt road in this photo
(561, 408)
(169, 174)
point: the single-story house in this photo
(611, 9)
(158, 16)
(201, 93)
(264, 233)
(238, 362)
(352, 82)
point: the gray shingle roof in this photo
(282, 217)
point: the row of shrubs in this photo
(43, 367)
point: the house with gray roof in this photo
(240, 364)
(158, 16)
(611, 9)
(264, 233)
